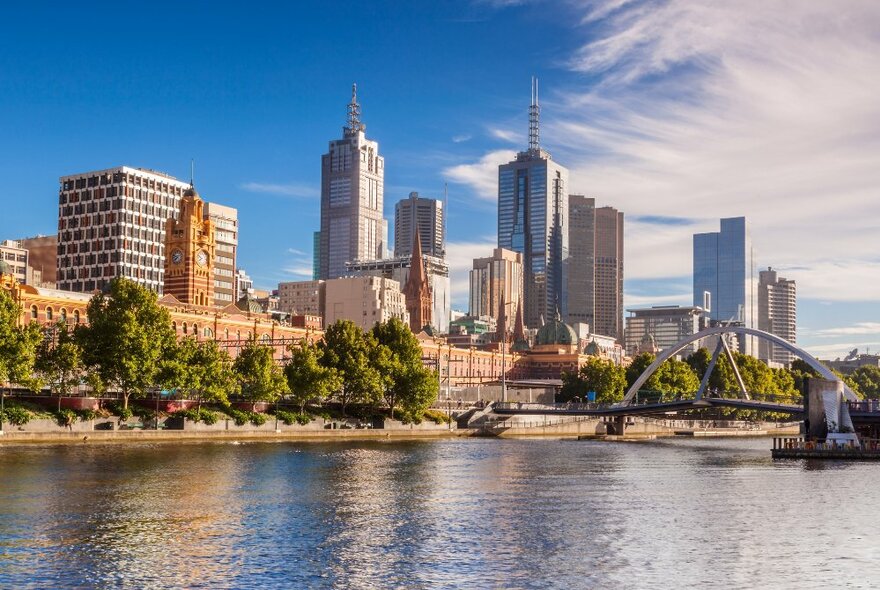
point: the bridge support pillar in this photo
(619, 425)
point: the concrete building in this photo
(490, 277)
(16, 259)
(398, 269)
(42, 260)
(665, 325)
(595, 266)
(301, 297)
(352, 192)
(364, 300)
(777, 314)
(533, 220)
(724, 277)
(244, 284)
(424, 215)
(225, 220)
(111, 223)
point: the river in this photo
(463, 513)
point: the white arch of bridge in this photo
(720, 331)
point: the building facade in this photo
(225, 220)
(364, 300)
(190, 245)
(425, 216)
(16, 259)
(777, 314)
(724, 277)
(398, 269)
(665, 325)
(581, 259)
(244, 284)
(608, 281)
(111, 223)
(301, 297)
(493, 277)
(352, 193)
(533, 220)
(42, 260)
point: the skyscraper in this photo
(724, 274)
(582, 259)
(225, 221)
(352, 177)
(424, 215)
(492, 277)
(777, 314)
(533, 220)
(608, 302)
(111, 223)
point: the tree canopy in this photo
(405, 381)
(260, 378)
(307, 379)
(349, 350)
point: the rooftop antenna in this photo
(534, 117)
(192, 172)
(354, 113)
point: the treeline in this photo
(610, 382)
(129, 346)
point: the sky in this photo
(676, 112)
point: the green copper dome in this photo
(556, 332)
(5, 269)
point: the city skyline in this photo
(729, 145)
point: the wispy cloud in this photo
(461, 138)
(300, 272)
(481, 175)
(506, 135)
(297, 190)
(296, 252)
(859, 328)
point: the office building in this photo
(244, 284)
(16, 259)
(42, 260)
(352, 177)
(777, 314)
(595, 267)
(425, 216)
(664, 325)
(533, 220)
(501, 273)
(724, 275)
(301, 297)
(111, 223)
(225, 220)
(316, 255)
(365, 300)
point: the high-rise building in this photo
(595, 267)
(352, 188)
(111, 223)
(16, 259)
(666, 326)
(533, 220)
(42, 260)
(316, 255)
(724, 276)
(777, 314)
(491, 278)
(225, 220)
(190, 245)
(424, 215)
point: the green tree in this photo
(349, 350)
(722, 379)
(18, 345)
(867, 380)
(127, 336)
(638, 366)
(600, 375)
(307, 379)
(757, 377)
(59, 361)
(260, 379)
(200, 369)
(674, 376)
(405, 380)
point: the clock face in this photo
(202, 258)
(177, 257)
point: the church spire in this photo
(417, 291)
(519, 329)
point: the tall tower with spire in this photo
(189, 252)
(533, 220)
(417, 291)
(352, 198)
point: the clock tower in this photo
(189, 252)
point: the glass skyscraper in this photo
(724, 276)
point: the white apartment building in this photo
(364, 300)
(16, 258)
(226, 235)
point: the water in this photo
(435, 514)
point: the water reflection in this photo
(440, 514)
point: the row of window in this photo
(50, 314)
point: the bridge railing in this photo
(865, 405)
(800, 443)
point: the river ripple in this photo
(435, 514)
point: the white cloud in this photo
(506, 135)
(299, 271)
(461, 138)
(288, 190)
(860, 328)
(481, 175)
(460, 256)
(632, 300)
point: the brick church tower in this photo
(417, 291)
(189, 253)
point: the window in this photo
(209, 333)
(48, 314)
(76, 316)
(33, 312)
(63, 314)
(184, 327)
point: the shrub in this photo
(17, 416)
(436, 416)
(65, 417)
(209, 417)
(240, 418)
(191, 415)
(293, 417)
(88, 414)
(256, 418)
(123, 413)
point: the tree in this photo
(201, 369)
(307, 379)
(259, 376)
(638, 366)
(757, 377)
(722, 379)
(867, 379)
(405, 380)
(349, 350)
(674, 376)
(599, 375)
(18, 344)
(127, 336)
(59, 361)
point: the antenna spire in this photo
(354, 114)
(534, 119)
(192, 172)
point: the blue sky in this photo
(676, 112)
